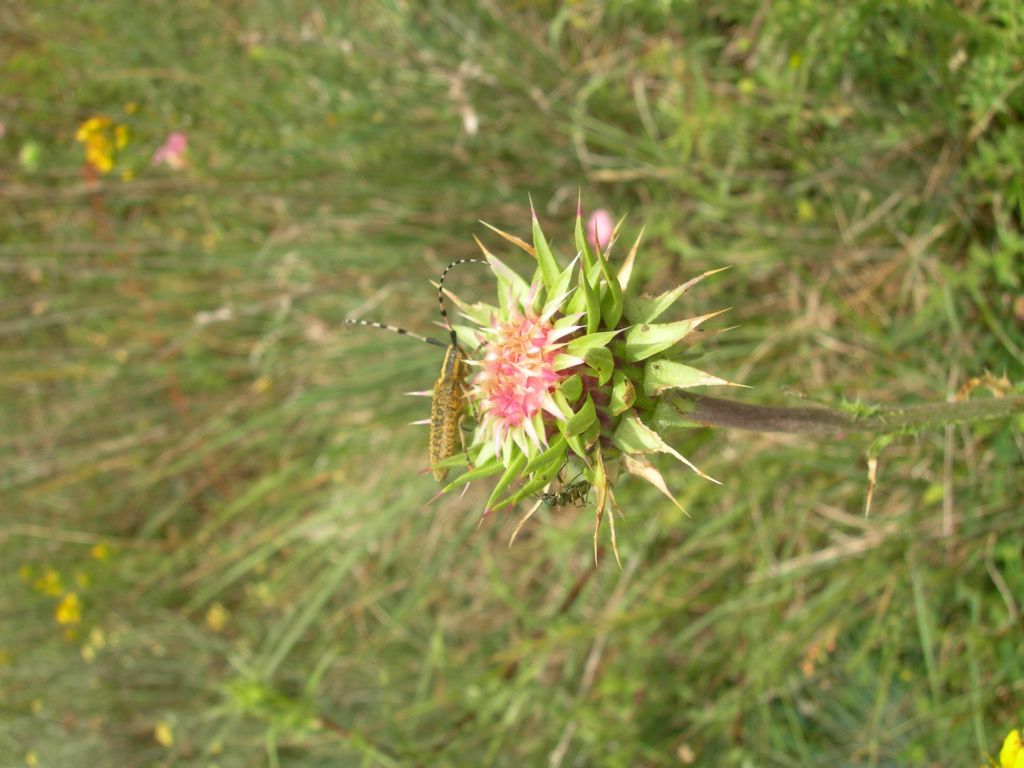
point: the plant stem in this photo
(716, 412)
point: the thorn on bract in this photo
(483, 517)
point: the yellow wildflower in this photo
(1012, 753)
(69, 609)
(95, 642)
(163, 734)
(91, 127)
(99, 552)
(97, 638)
(49, 583)
(31, 759)
(101, 137)
(217, 617)
(99, 154)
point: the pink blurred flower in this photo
(172, 153)
(600, 226)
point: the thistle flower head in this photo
(571, 367)
(519, 372)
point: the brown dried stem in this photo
(825, 422)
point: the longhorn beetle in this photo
(448, 402)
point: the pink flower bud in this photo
(599, 228)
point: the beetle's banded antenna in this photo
(396, 329)
(440, 295)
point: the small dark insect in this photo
(448, 402)
(576, 493)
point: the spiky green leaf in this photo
(662, 375)
(582, 246)
(545, 258)
(643, 341)
(508, 279)
(633, 436)
(537, 481)
(669, 413)
(592, 301)
(647, 309)
(572, 387)
(583, 344)
(577, 303)
(580, 421)
(578, 445)
(553, 453)
(626, 270)
(512, 472)
(561, 287)
(623, 394)
(601, 360)
(480, 312)
(492, 467)
(611, 303)
(467, 336)
(563, 404)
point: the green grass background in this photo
(175, 384)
